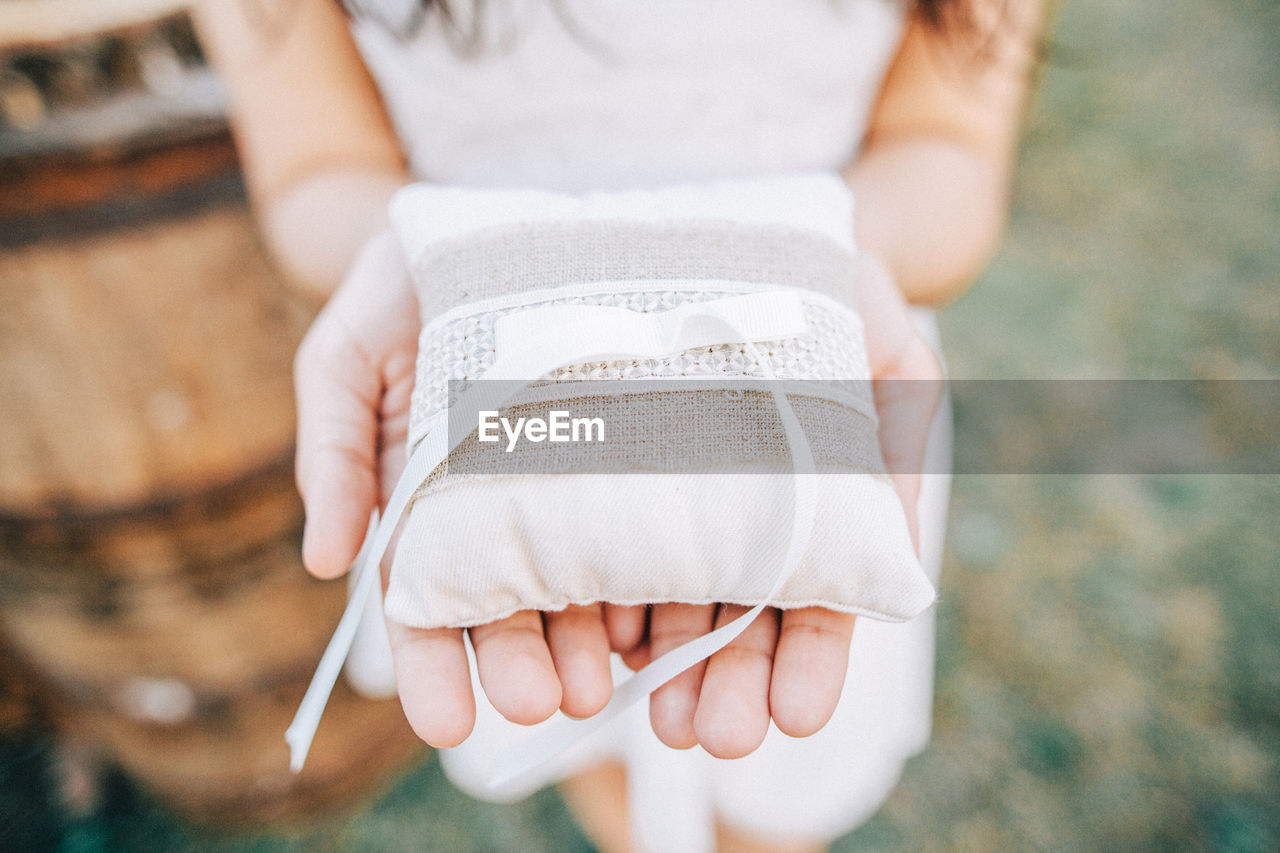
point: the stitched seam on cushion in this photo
(778, 602)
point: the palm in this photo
(354, 377)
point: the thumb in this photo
(906, 382)
(340, 380)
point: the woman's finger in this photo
(625, 626)
(515, 668)
(733, 704)
(580, 652)
(672, 706)
(434, 682)
(809, 668)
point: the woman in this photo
(918, 107)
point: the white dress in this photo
(584, 94)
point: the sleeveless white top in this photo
(581, 94)
(574, 95)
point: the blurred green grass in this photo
(1109, 652)
(1109, 659)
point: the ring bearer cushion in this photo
(648, 329)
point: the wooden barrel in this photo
(149, 523)
(19, 699)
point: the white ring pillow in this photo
(478, 547)
(776, 496)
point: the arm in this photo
(932, 178)
(319, 154)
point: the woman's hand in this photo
(790, 664)
(354, 375)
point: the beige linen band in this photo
(519, 258)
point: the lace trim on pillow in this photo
(460, 347)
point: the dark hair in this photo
(939, 14)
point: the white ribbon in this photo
(529, 345)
